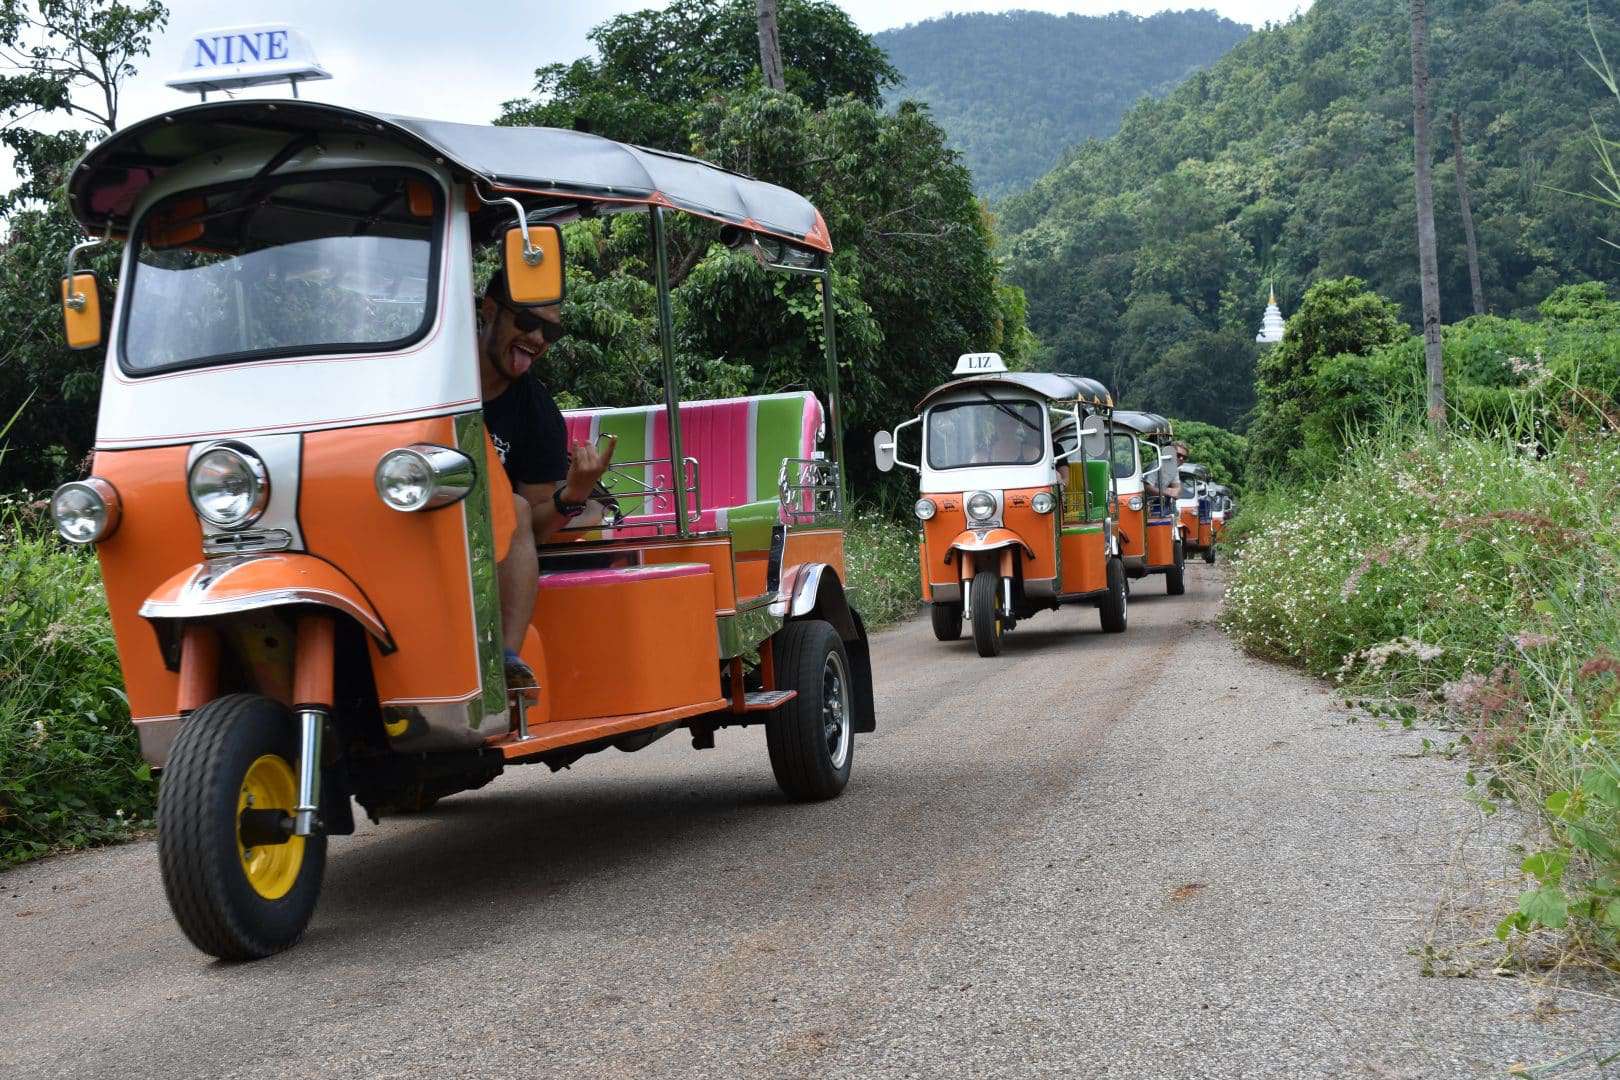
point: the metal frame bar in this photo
(666, 342)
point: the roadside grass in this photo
(881, 555)
(1473, 579)
(71, 774)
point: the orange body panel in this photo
(1085, 565)
(816, 546)
(413, 567)
(1038, 531)
(1161, 542)
(635, 646)
(1132, 527)
(938, 534)
(716, 554)
(157, 538)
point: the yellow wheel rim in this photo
(270, 868)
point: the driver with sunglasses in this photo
(551, 480)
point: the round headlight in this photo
(1043, 502)
(85, 510)
(423, 477)
(925, 509)
(229, 487)
(1135, 502)
(981, 505)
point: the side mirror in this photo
(533, 256)
(883, 450)
(81, 309)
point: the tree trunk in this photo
(1467, 217)
(1428, 269)
(770, 48)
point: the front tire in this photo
(1114, 608)
(235, 900)
(811, 739)
(1209, 555)
(986, 622)
(1175, 578)
(947, 620)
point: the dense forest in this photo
(1146, 256)
(1014, 90)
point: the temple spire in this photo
(1271, 326)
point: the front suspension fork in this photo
(312, 704)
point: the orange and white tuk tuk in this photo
(1223, 507)
(1196, 508)
(1149, 530)
(292, 499)
(1014, 487)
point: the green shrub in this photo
(1477, 577)
(70, 769)
(881, 554)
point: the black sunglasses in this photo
(527, 322)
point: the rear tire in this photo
(986, 623)
(234, 901)
(811, 739)
(1175, 578)
(1115, 607)
(947, 620)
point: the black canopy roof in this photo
(1052, 385)
(1143, 423)
(569, 166)
(1196, 471)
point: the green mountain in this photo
(1014, 90)
(1146, 256)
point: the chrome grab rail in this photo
(639, 494)
(809, 491)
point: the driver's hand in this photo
(586, 464)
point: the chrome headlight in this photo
(1135, 502)
(1043, 502)
(85, 511)
(229, 486)
(423, 477)
(925, 509)
(981, 506)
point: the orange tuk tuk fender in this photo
(986, 540)
(264, 581)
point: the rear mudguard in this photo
(814, 591)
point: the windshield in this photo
(985, 433)
(1124, 455)
(339, 263)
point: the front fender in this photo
(976, 540)
(230, 585)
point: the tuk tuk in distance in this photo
(1222, 509)
(1195, 507)
(293, 492)
(1149, 531)
(1014, 486)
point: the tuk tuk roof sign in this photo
(1053, 386)
(235, 57)
(563, 168)
(979, 363)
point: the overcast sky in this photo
(460, 61)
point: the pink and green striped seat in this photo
(739, 445)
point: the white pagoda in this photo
(1271, 327)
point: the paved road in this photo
(1035, 872)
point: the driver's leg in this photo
(518, 574)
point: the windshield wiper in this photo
(1008, 409)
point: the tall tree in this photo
(770, 47)
(1474, 285)
(1428, 264)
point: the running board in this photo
(765, 700)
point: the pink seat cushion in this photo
(618, 575)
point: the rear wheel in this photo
(239, 886)
(811, 739)
(947, 619)
(1175, 578)
(982, 595)
(1115, 606)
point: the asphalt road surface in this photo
(1056, 863)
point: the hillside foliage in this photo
(1290, 160)
(1014, 90)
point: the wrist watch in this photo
(567, 509)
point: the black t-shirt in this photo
(529, 433)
